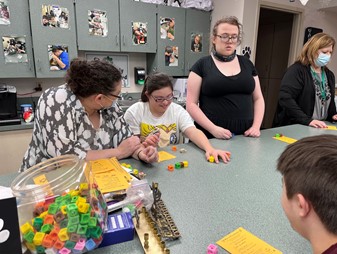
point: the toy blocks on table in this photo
(211, 159)
(177, 165)
(170, 167)
(174, 148)
(185, 164)
(212, 249)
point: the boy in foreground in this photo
(309, 196)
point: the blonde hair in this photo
(310, 48)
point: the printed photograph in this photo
(167, 28)
(4, 13)
(55, 16)
(14, 49)
(98, 23)
(171, 56)
(139, 33)
(196, 42)
(58, 57)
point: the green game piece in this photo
(74, 199)
(96, 232)
(177, 165)
(46, 228)
(84, 219)
(92, 222)
(72, 210)
(52, 209)
(40, 249)
(37, 224)
(74, 220)
(69, 245)
(82, 229)
(72, 228)
(29, 236)
(64, 223)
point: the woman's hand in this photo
(334, 117)
(148, 154)
(128, 146)
(317, 124)
(221, 133)
(152, 140)
(224, 155)
(253, 132)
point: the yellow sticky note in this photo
(164, 156)
(331, 127)
(286, 139)
(240, 241)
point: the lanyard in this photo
(321, 83)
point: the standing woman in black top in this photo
(223, 90)
(307, 90)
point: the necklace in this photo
(321, 83)
(222, 58)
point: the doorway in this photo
(273, 52)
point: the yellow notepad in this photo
(240, 241)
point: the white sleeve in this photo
(132, 117)
(184, 119)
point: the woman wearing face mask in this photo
(81, 117)
(308, 87)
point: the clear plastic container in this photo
(59, 206)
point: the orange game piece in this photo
(174, 148)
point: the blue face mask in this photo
(322, 59)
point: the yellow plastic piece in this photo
(64, 209)
(135, 171)
(83, 207)
(211, 159)
(63, 234)
(84, 186)
(74, 193)
(25, 228)
(38, 238)
(30, 246)
(81, 200)
(43, 215)
(185, 164)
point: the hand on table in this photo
(221, 133)
(224, 155)
(253, 132)
(149, 154)
(317, 124)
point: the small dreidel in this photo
(211, 159)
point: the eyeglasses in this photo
(162, 99)
(227, 37)
(116, 96)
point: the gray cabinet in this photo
(16, 59)
(97, 25)
(58, 30)
(138, 26)
(124, 25)
(197, 36)
(189, 23)
(170, 54)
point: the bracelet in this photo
(138, 154)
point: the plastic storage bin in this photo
(59, 206)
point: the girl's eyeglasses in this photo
(162, 99)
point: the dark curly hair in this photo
(86, 78)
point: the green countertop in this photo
(207, 201)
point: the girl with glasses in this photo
(223, 90)
(159, 121)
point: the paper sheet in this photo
(164, 156)
(331, 127)
(286, 139)
(240, 241)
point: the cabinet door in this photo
(16, 59)
(170, 54)
(53, 24)
(138, 26)
(197, 36)
(97, 25)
